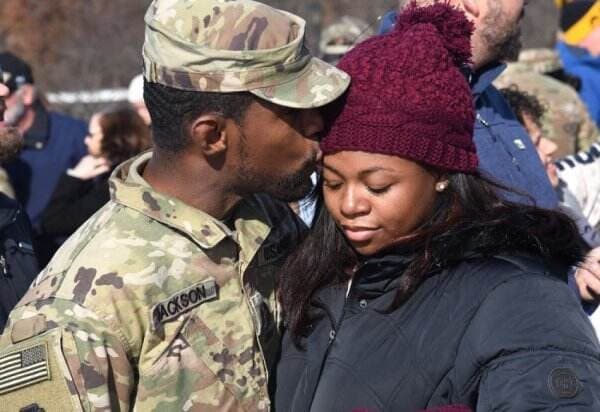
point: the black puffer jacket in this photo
(18, 264)
(498, 334)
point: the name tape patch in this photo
(23, 368)
(183, 301)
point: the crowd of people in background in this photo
(488, 204)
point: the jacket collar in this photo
(37, 135)
(484, 77)
(380, 274)
(128, 187)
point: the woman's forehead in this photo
(358, 162)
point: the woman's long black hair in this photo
(469, 218)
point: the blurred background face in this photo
(376, 200)
(592, 41)
(3, 95)
(545, 147)
(15, 107)
(11, 141)
(93, 141)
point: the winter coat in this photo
(502, 333)
(18, 264)
(73, 202)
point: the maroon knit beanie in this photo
(408, 96)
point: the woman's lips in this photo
(359, 234)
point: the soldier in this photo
(566, 120)
(165, 299)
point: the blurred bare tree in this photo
(92, 44)
(76, 44)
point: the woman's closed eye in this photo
(332, 184)
(379, 190)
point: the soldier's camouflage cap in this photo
(236, 45)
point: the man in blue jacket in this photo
(506, 153)
(53, 144)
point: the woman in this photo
(114, 136)
(418, 286)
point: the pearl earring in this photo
(441, 186)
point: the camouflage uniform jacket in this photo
(566, 120)
(152, 305)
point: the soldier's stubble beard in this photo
(287, 188)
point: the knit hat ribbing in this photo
(408, 96)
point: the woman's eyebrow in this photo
(362, 173)
(371, 170)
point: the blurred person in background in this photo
(53, 144)
(341, 36)
(529, 110)
(505, 151)
(566, 120)
(135, 97)
(114, 136)
(18, 263)
(579, 48)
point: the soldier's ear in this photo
(208, 133)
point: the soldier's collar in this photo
(129, 188)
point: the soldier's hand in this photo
(587, 277)
(89, 167)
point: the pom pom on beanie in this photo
(408, 96)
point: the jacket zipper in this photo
(332, 335)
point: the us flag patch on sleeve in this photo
(23, 368)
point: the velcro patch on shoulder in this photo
(183, 301)
(23, 368)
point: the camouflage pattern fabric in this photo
(566, 121)
(239, 45)
(153, 305)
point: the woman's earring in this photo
(441, 186)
